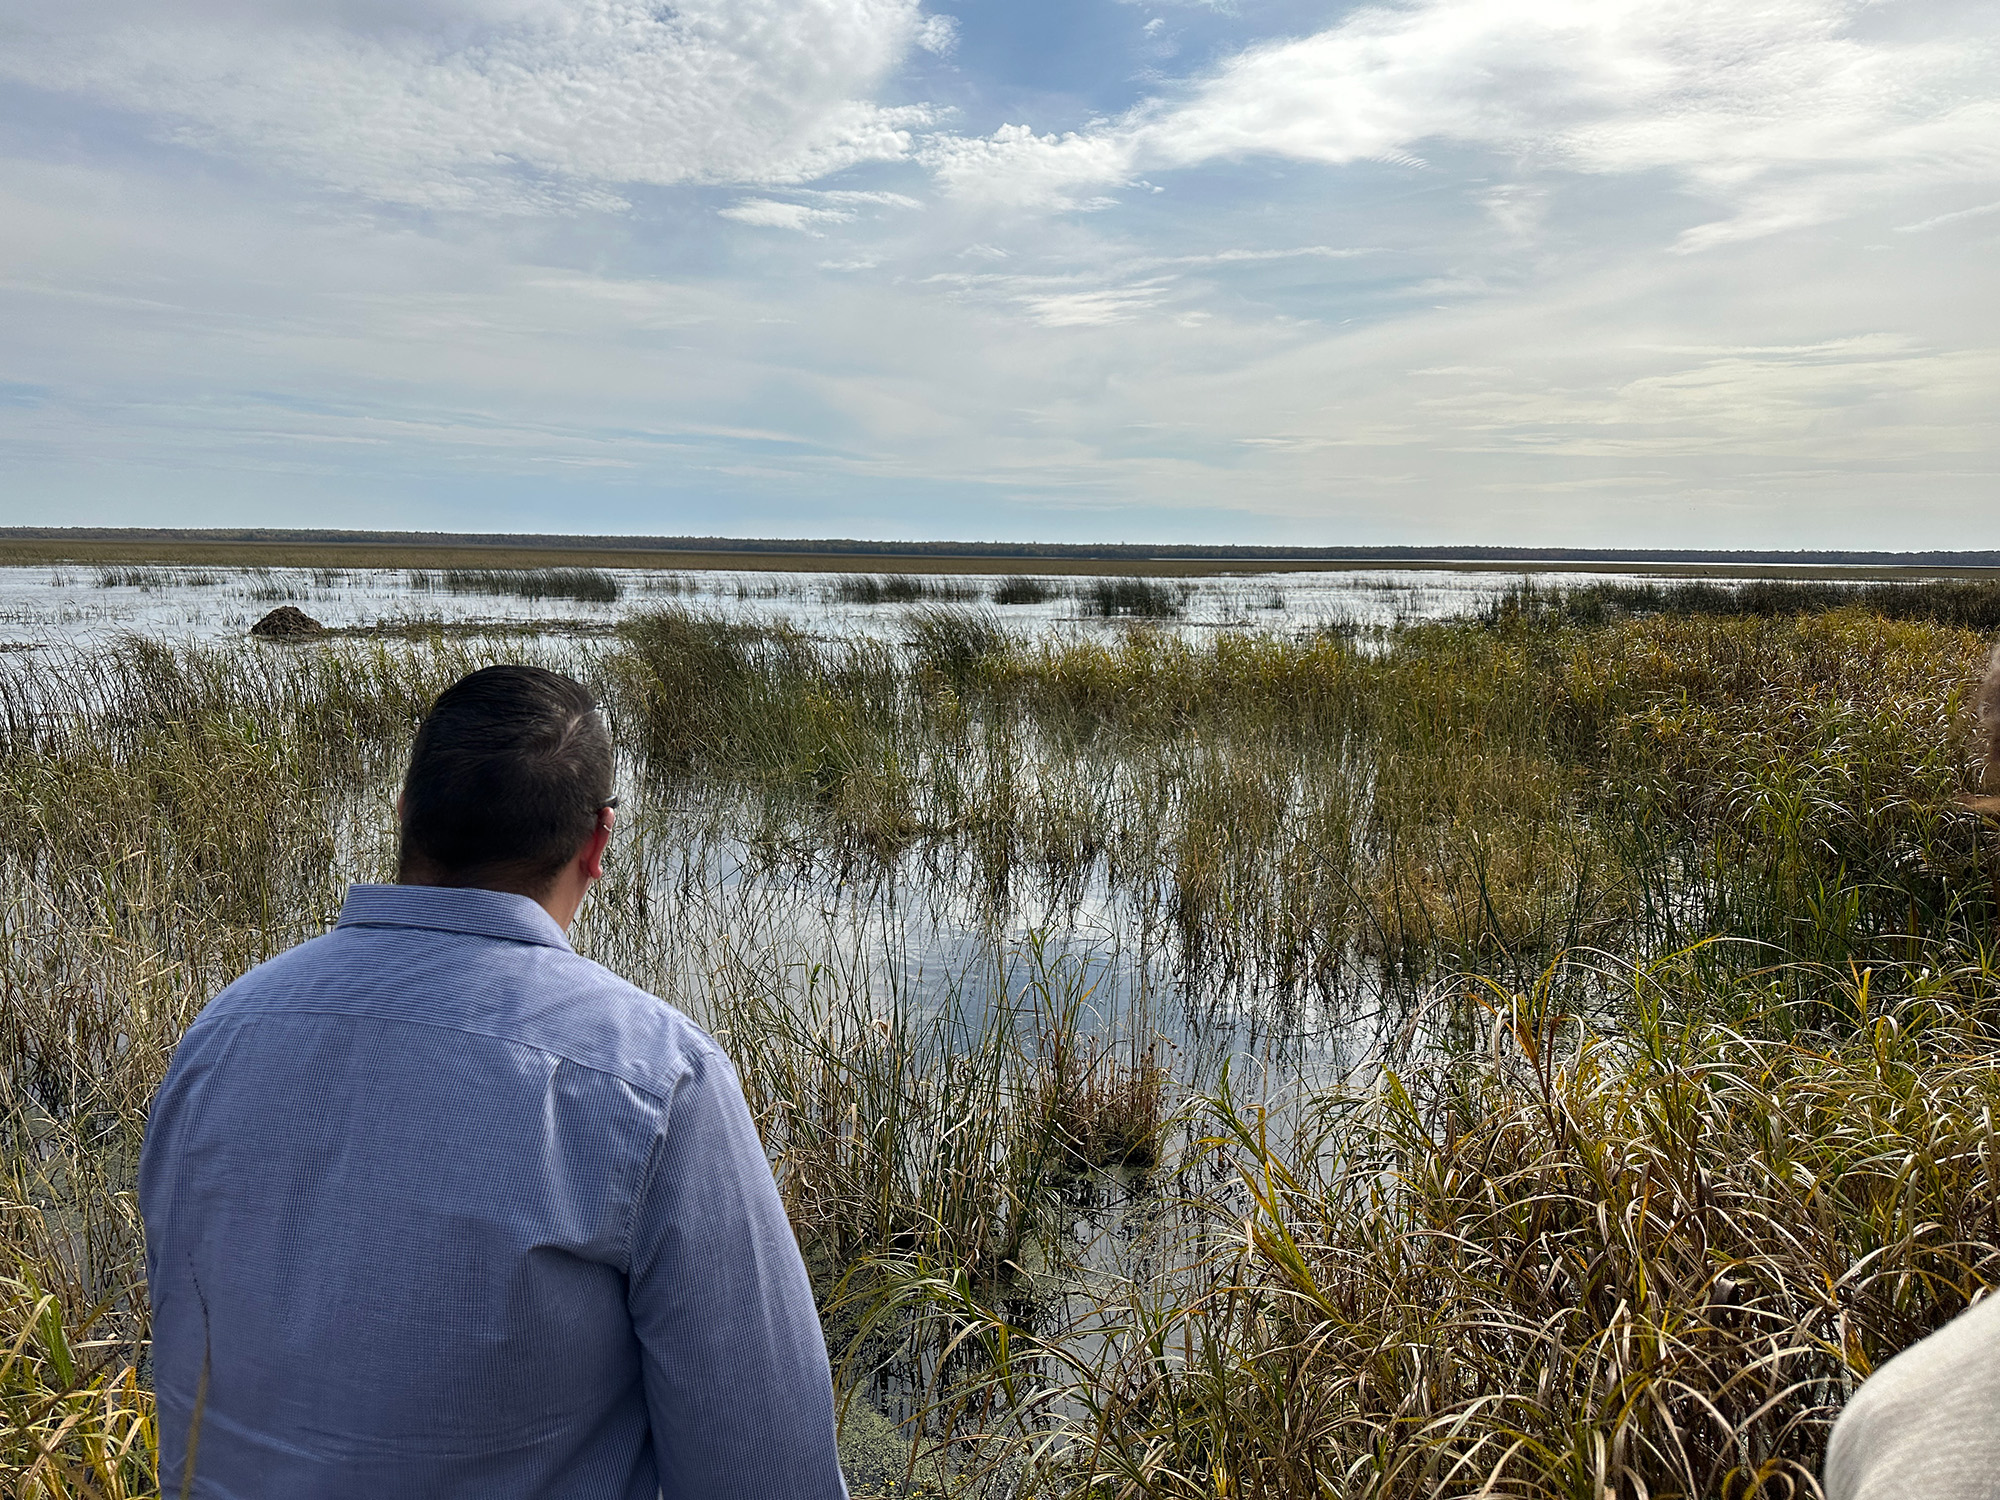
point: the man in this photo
(435, 1207)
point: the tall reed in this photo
(1649, 1258)
(588, 585)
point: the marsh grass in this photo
(1146, 597)
(132, 578)
(1633, 1225)
(900, 588)
(1647, 1258)
(75, 1416)
(671, 584)
(587, 585)
(152, 579)
(948, 1129)
(1960, 603)
(1475, 797)
(1026, 589)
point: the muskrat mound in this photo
(287, 623)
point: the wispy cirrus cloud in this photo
(770, 213)
(1957, 216)
(822, 208)
(1124, 288)
(1247, 257)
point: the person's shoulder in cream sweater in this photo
(1927, 1423)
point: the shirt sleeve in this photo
(737, 1381)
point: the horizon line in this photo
(1026, 551)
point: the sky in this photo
(1687, 273)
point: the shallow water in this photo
(905, 931)
(42, 605)
(899, 936)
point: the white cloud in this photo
(1065, 301)
(768, 213)
(512, 104)
(1249, 257)
(1741, 400)
(1094, 308)
(1015, 168)
(939, 35)
(1941, 220)
(1783, 111)
(1260, 362)
(871, 199)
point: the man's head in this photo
(509, 781)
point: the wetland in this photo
(1382, 1035)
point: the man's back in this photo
(436, 1207)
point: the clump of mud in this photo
(287, 623)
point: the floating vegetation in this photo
(435, 628)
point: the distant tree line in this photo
(1109, 551)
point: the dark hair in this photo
(506, 778)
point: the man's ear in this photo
(599, 840)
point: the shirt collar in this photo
(466, 909)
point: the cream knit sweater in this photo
(1927, 1423)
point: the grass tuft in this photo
(587, 585)
(1148, 597)
(153, 579)
(901, 588)
(1027, 590)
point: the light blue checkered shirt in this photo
(447, 1210)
